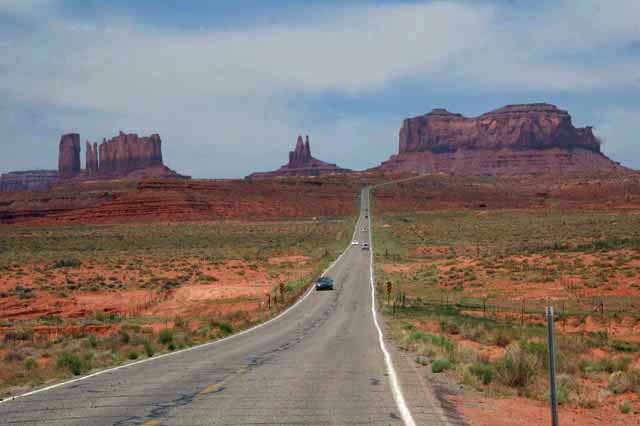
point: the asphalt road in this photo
(321, 363)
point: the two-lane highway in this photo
(321, 363)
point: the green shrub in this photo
(171, 346)
(517, 368)
(608, 365)
(622, 346)
(483, 371)
(226, 328)
(72, 363)
(148, 348)
(124, 337)
(625, 407)
(132, 355)
(440, 365)
(416, 335)
(67, 263)
(30, 364)
(166, 336)
(93, 341)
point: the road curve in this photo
(321, 363)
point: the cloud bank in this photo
(227, 102)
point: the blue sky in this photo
(229, 84)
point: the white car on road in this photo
(355, 242)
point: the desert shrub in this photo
(166, 336)
(148, 348)
(634, 377)
(622, 346)
(619, 382)
(416, 336)
(482, 371)
(565, 386)
(604, 364)
(625, 407)
(517, 368)
(501, 339)
(440, 365)
(93, 341)
(132, 355)
(449, 327)
(72, 363)
(67, 263)
(224, 327)
(30, 364)
(171, 346)
(124, 337)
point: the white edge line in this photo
(193, 348)
(398, 396)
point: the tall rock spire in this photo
(69, 155)
(307, 148)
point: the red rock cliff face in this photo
(128, 152)
(513, 140)
(69, 155)
(532, 126)
(92, 158)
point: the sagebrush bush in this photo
(440, 365)
(619, 382)
(72, 363)
(482, 371)
(517, 368)
(166, 336)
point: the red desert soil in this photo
(237, 287)
(478, 410)
(181, 200)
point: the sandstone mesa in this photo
(525, 139)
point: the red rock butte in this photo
(513, 140)
(125, 155)
(301, 163)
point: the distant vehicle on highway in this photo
(365, 246)
(324, 283)
(366, 216)
(355, 242)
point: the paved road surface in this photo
(319, 364)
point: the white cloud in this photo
(225, 93)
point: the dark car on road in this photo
(324, 283)
(365, 246)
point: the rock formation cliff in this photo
(91, 163)
(124, 156)
(128, 152)
(30, 180)
(69, 156)
(301, 163)
(513, 140)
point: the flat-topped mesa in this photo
(28, 180)
(69, 156)
(128, 152)
(302, 163)
(524, 126)
(518, 139)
